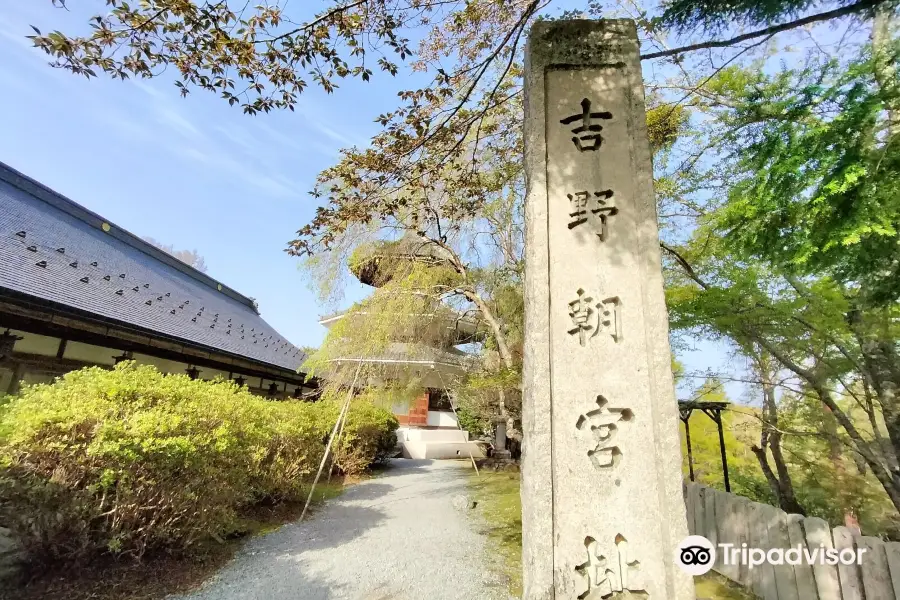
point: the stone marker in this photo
(500, 451)
(603, 509)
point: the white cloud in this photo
(172, 117)
(155, 118)
(333, 134)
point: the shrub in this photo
(129, 460)
(369, 436)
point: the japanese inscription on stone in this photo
(590, 318)
(598, 203)
(607, 573)
(597, 468)
(602, 423)
(587, 135)
(581, 202)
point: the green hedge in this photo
(130, 460)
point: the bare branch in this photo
(825, 16)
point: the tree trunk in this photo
(780, 481)
(889, 478)
(835, 454)
(782, 490)
(496, 329)
(885, 72)
(881, 369)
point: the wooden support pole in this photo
(687, 439)
(337, 423)
(718, 420)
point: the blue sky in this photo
(190, 172)
(193, 172)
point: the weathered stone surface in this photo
(602, 458)
(818, 535)
(463, 503)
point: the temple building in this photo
(77, 290)
(426, 355)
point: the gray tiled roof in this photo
(54, 249)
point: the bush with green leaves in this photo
(131, 460)
(369, 436)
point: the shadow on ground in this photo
(371, 543)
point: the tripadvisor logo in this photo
(696, 555)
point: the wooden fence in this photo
(725, 518)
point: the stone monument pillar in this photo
(500, 450)
(603, 509)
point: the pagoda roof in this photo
(402, 354)
(412, 247)
(460, 329)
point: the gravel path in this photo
(396, 537)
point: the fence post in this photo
(695, 492)
(689, 506)
(700, 510)
(725, 531)
(742, 511)
(710, 517)
(851, 586)
(806, 581)
(762, 576)
(892, 552)
(874, 567)
(785, 580)
(818, 536)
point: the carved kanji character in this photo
(579, 204)
(587, 135)
(606, 576)
(581, 311)
(603, 424)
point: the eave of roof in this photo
(19, 310)
(69, 206)
(48, 242)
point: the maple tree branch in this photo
(328, 15)
(772, 30)
(689, 270)
(517, 31)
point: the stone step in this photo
(442, 450)
(433, 435)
